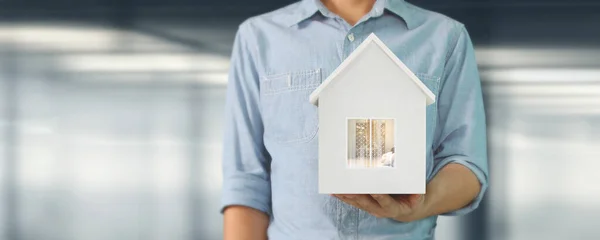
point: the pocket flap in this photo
(277, 83)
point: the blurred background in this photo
(110, 117)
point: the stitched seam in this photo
(289, 89)
(452, 41)
(307, 138)
(425, 76)
(249, 26)
(272, 77)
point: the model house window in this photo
(370, 143)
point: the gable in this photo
(371, 80)
(372, 40)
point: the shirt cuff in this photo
(481, 176)
(249, 191)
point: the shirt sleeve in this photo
(461, 133)
(245, 162)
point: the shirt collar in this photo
(308, 8)
(305, 10)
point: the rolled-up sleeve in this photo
(461, 133)
(245, 161)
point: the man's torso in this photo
(292, 59)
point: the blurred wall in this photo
(110, 117)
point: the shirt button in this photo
(351, 37)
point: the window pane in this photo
(358, 138)
(370, 143)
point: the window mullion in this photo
(371, 142)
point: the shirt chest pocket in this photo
(288, 116)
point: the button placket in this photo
(353, 215)
(352, 39)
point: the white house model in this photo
(372, 124)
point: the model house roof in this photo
(372, 39)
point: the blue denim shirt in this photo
(270, 150)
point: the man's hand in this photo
(400, 207)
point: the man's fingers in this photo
(407, 204)
(364, 202)
(397, 206)
(347, 198)
(407, 199)
(386, 202)
(367, 203)
(416, 199)
(355, 202)
(401, 197)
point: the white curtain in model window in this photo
(378, 138)
(363, 133)
(370, 141)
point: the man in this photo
(270, 156)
